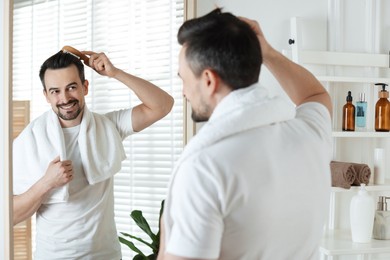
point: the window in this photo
(139, 36)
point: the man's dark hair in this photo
(61, 60)
(225, 44)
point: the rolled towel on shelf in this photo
(343, 174)
(363, 174)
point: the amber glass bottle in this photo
(382, 110)
(349, 114)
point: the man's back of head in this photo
(225, 44)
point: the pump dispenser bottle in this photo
(362, 210)
(349, 114)
(382, 220)
(382, 110)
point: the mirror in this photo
(56, 24)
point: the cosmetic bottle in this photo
(379, 166)
(362, 211)
(382, 220)
(382, 110)
(361, 109)
(349, 114)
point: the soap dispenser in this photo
(349, 114)
(362, 211)
(382, 220)
(382, 110)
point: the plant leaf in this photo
(130, 245)
(142, 223)
(137, 216)
(152, 257)
(153, 247)
(140, 257)
(156, 243)
(161, 213)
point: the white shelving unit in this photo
(365, 134)
(352, 79)
(337, 242)
(369, 188)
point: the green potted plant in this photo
(142, 223)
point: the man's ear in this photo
(211, 81)
(85, 87)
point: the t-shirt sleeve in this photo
(317, 117)
(197, 222)
(123, 121)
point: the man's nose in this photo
(64, 97)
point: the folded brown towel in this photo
(343, 174)
(363, 174)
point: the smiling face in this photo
(65, 92)
(193, 90)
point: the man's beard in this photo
(69, 116)
(201, 116)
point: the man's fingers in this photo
(56, 160)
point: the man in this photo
(64, 161)
(254, 183)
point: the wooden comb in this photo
(78, 54)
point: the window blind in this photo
(139, 36)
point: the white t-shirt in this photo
(257, 194)
(84, 226)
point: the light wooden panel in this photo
(21, 116)
(22, 231)
(22, 241)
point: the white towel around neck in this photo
(241, 110)
(100, 144)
